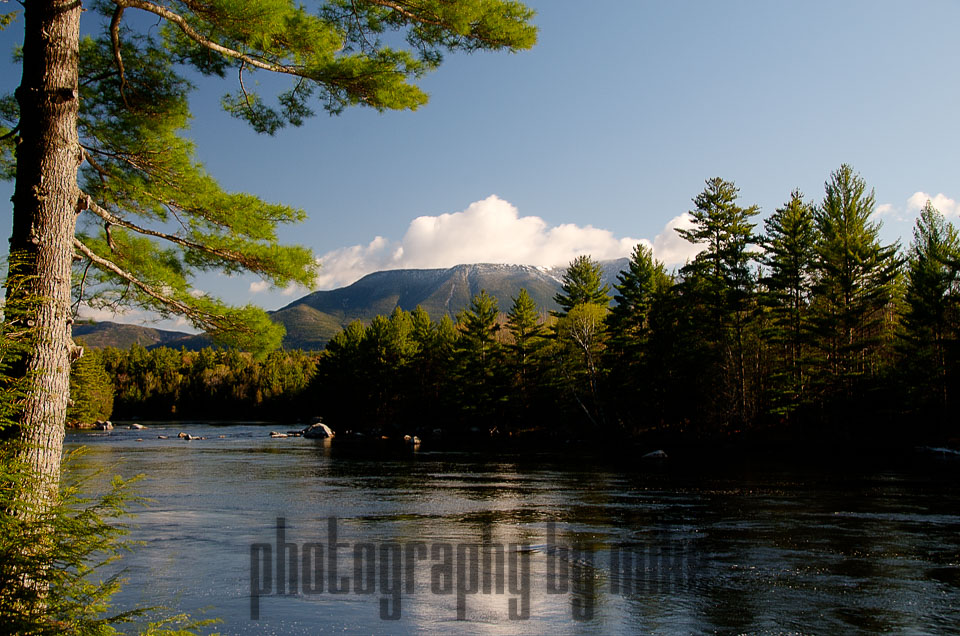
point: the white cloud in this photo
(670, 247)
(109, 314)
(131, 316)
(259, 286)
(197, 293)
(946, 205)
(348, 264)
(490, 231)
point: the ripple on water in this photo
(796, 550)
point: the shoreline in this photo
(743, 448)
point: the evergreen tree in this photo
(528, 331)
(425, 365)
(338, 384)
(636, 290)
(721, 283)
(789, 256)
(724, 265)
(930, 322)
(91, 391)
(673, 355)
(382, 364)
(423, 331)
(582, 283)
(448, 388)
(854, 288)
(524, 324)
(640, 286)
(478, 328)
(480, 353)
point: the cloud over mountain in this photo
(491, 231)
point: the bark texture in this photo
(45, 204)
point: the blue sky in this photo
(603, 133)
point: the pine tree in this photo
(789, 252)
(640, 286)
(524, 324)
(382, 367)
(423, 330)
(930, 322)
(636, 290)
(480, 351)
(449, 394)
(91, 391)
(478, 329)
(337, 384)
(424, 364)
(528, 331)
(854, 288)
(582, 283)
(721, 282)
(723, 229)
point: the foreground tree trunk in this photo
(45, 203)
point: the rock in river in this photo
(318, 431)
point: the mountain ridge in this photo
(316, 317)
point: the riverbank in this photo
(648, 450)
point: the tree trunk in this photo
(45, 203)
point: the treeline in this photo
(166, 383)
(807, 326)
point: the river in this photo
(297, 536)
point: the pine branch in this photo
(192, 33)
(399, 7)
(360, 30)
(408, 14)
(12, 133)
(191, 312)
(243, 89)
(87, 203)
(83, 282)
(125, 158)
(118, 58)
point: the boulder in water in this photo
(318, 431)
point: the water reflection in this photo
(674, 548)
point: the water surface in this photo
(609, 545)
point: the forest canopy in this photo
(806, 324)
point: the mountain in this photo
(122, 336)
(313, 319)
